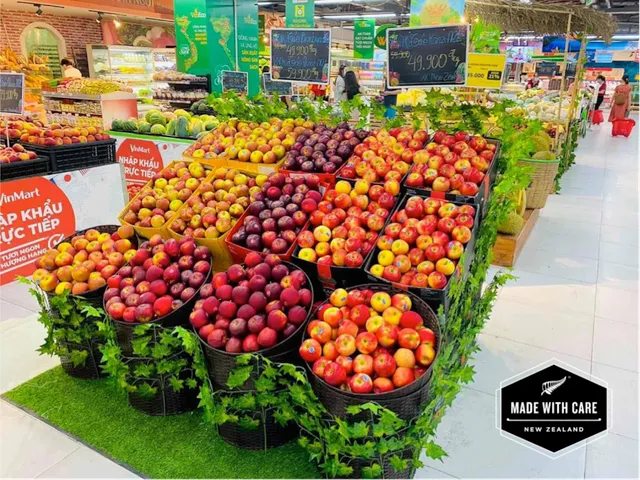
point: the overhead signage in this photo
(300, 13)
(363, 35)
(427, 56)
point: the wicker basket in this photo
(268, 434)
(542, 181)
(91, 368)
(405, 401)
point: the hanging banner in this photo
(363, 35)
(222, 40)
(299, 13)
(300, 55)
(235, 81)
(435, 12)
(247, 31)
(38, 212)
(427, 56)
(11, 93)
(191, 36)
(485, 70)
(380, 39)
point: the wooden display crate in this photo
(508, 247)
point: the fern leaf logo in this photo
(551, 386)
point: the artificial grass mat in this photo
(179, 446)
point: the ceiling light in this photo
(39, 11)
(625, 37)
(99, 19)
(117, 23)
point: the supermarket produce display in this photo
(298, 275)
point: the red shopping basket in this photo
(622, 126)
(598, 117)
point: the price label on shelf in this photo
(427, 56)
(11, 93)
(300, 55)
(485, 70)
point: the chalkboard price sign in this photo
(235, 81)
(427, 56)
(300, 55)
(11, 93)
(276, 88)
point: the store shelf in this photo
(82, 96)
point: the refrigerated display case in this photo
(164, 59)
(133, 66)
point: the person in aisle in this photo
(351, 85)
(621, 100)
(602, 90)
(339, 92)
(390, 98)
(68, 70)
(533, 83)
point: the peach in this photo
(404, 358)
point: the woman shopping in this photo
(621, 100)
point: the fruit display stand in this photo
(149, 231)
(18, 162)
(90, 110)
(508, 247)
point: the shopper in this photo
(351, 85)
(621, 100)
(68, 70)
(390, 98)
(602, 90)
(339, 92)
(533, 83)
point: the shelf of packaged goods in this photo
(83, 96)
(185, 82)
(75, 113)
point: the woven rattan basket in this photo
(542, 181)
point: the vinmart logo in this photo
(198, 14)
(553, 408)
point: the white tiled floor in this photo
(576, 300)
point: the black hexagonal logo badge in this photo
(553, 408)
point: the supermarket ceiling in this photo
(334, 12)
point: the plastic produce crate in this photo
(78, 155)
(30, 168)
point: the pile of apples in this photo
(157, 203)
(55, 134)
(253, 306)
(160, 278)
(452, 163)
(324, 149)
(278, 212)
(86, 262)
(217, 204)
(385, 155)
(267, 142)
(422, 245)
(17, 153)
(346, 223)
(365, 341)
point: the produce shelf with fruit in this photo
(177, 124)
(18, 162)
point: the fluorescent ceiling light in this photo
(333, 2)
(625, 37)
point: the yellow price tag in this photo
(485, 70)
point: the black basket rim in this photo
(31, 161)
(385, 395)
(98, 143)
(269, 350)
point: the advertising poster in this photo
(485, 70)
(222, 40)
(299, 13)
(363, 35)
(143, 157)
(191, 36)
(248, 45)
(435, 12)
(38, 212)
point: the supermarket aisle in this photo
(576, 299)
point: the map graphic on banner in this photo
(435, 12)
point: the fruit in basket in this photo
(55, 134)
(158, 202)
(376, 366)
(459, 171)
(345, 225)
(431, 257)
(217, 205)
(275, 217)
(157, 280)
(254, 305)
(85, 262)
(385, 155)
(17, 153)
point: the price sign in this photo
(12, 93)
(300, 55)
(277, 88)
(427, 56)
(236, 81)
(485, 70)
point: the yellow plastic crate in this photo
(255, 168)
